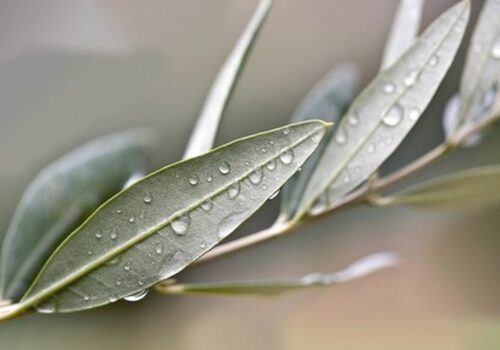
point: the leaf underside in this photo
(167, 220)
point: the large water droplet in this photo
(98, 235)
(193, 180)
(147, 198)
(224, 168)
(341, 136)
(411, 77)
(180, 225)
(234, 190)
(137, 296)
(389, 88)
(271, 165)
(495, 50)
(207, 205)
(394, 115)
(47, 307)
(286, 156)
(256, 176)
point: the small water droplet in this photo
(137, 296)
(413, 114)
(495, 50)
(234, 191)
(147, 198)
(210, 178)
(371, 148)
(286, 156)
(411, 78)
(113, 234)
(274, 195)
(89, 252)
(119, 211)
(353, 119)
(271, 165)
(98, 235)
(341, 136)
(434, 60)
(394, 115)
(207, 205)
(131, 219)
(389, 88)
(264, 150)
(224, 168)
(203, 245)
(140, 282)
(159, 248)
(86, 298)
(193, 180)
(180, 225)
(347, 179)
(126, 267)
(112, 299)
(256, 176)
(286, 131)
(118, 282)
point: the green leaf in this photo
(203, 136)
(381, 117)
(404, 30)
(328, 100)
(478, 87)
(61, 196)
(470, 188)
(167, 220)
(358, 269)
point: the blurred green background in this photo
(74, 70)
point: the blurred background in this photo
(71, 71)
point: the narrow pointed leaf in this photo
(61, 196)
(451, 120)
(469, 188)
(203, 136)
(478, 87)
(167, 220)
(385, 112)
(328, 100)
(404, 30)
(358, 269)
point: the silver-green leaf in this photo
(328, 100)
(358, 269)
(404, 30)
(478, 87)
(168, 219)
(385, 112)
(203, 136)
(470, 188)
(61, 196)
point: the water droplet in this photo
(47, 307)
(112, 299)
(210, 178)
(126, 267)
(274, 195)
(86, 298)
(341, 136)
(113, 234)
(147, 198)
(98, 235)
(131, 219)
(286, 131)
(207, 205)
(193, 180)
(180, 225)
(411, 78)
(495, 50)
(371, 148)
(414, 114)
(388, 141)
(389, 88)
(347, 179)
(89, 252)
(118, 282)
(353, 119)
(264, 150)
(394, 115)
(256, 176)
(203, 245)
(159, 248)
(434, 60)
(271, 165)
(137, 296)
(140, 282)
(119, 211)
(286, 156)
(224, 168)
(234, 191)
(142, 215)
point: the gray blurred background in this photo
(74, 70)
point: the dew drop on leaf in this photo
(234, 191)
(411, 77)
(180, 225)
(353, 119)
(286, 156)
(495, 50)
(434, 60)
(341, 136)
(224, 168)
(137, 296)
(389, 88)
(147, 198)
(256, 176)
(207, 205)
(271, 165)
(193, 180)
(394, 115)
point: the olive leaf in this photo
(360, 268)
(168, 219)
(328, 100)
(451, 117)
(404, 30)
(61, 196)
(385, 112)
(478, 87)
(203, 135)
(469, 188)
